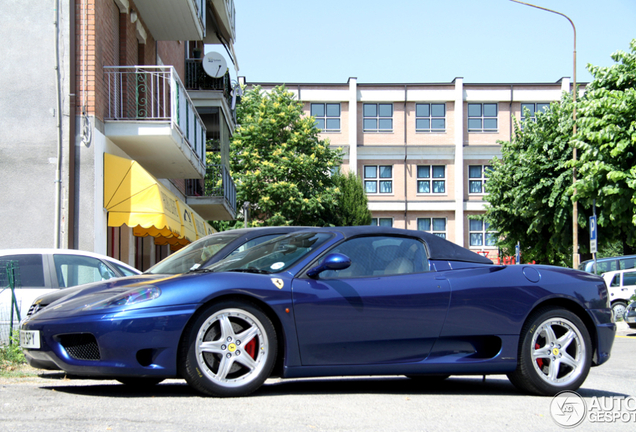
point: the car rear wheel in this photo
(555, 353)
(618, 309)
(229, 349)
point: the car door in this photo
(31, 278)
(629, 284)
(386, 307)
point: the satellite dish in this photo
(214, 64)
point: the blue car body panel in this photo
(461, 317)
(358, 321)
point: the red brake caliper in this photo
(250, 348)
(539, 361)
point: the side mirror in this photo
(334, 261)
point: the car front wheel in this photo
(555, 353)
(229, 349)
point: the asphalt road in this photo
(52, 401)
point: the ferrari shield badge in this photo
(278, 282)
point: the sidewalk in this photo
(623, 329)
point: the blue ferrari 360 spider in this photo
(333, 302)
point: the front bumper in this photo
(141, 342)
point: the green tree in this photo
(606, 140)
(279, 164)
(528, 188)
(352, 207)
(531, 191)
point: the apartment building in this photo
(105, 112)
(423, 150)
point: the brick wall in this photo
(105, 37)
(85, 52)
(173, 53)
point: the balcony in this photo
(151, 117)
(174, 20)
(210, 92)
(223, 28)
(217, 200)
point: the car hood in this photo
(169, 292)
(80, 290)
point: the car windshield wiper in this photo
(249, 270)
(201, 270)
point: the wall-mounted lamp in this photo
(133, 16)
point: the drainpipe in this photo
(71, 129)
(58, 114)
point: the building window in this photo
(482, 117)
(327, 116)
(377, 117)
(435, 183)
(477, 175)
(533, 109)
(430, 117)
(479, 234)
(435, 226)
(382, 174)
(384, 222)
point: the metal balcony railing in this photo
(219, 183)
(197, 79)
(154, 93)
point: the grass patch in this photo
(12, 359)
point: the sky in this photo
(409, 41)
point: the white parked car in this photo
(621, 285)
(40, 271)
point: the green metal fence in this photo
(10, 310)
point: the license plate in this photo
(30, 339)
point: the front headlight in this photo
(128, 298)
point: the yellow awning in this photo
(134, 197)
(202, 227)
(187, 221)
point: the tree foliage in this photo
(530, 190)
(527, 188)
(606, 141)
(279, 164)
(352, 205)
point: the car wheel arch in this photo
(576, 309)
(621, 301)
(242, 298)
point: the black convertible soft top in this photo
(438, 248)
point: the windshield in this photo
(193, 255)
(273, 256)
